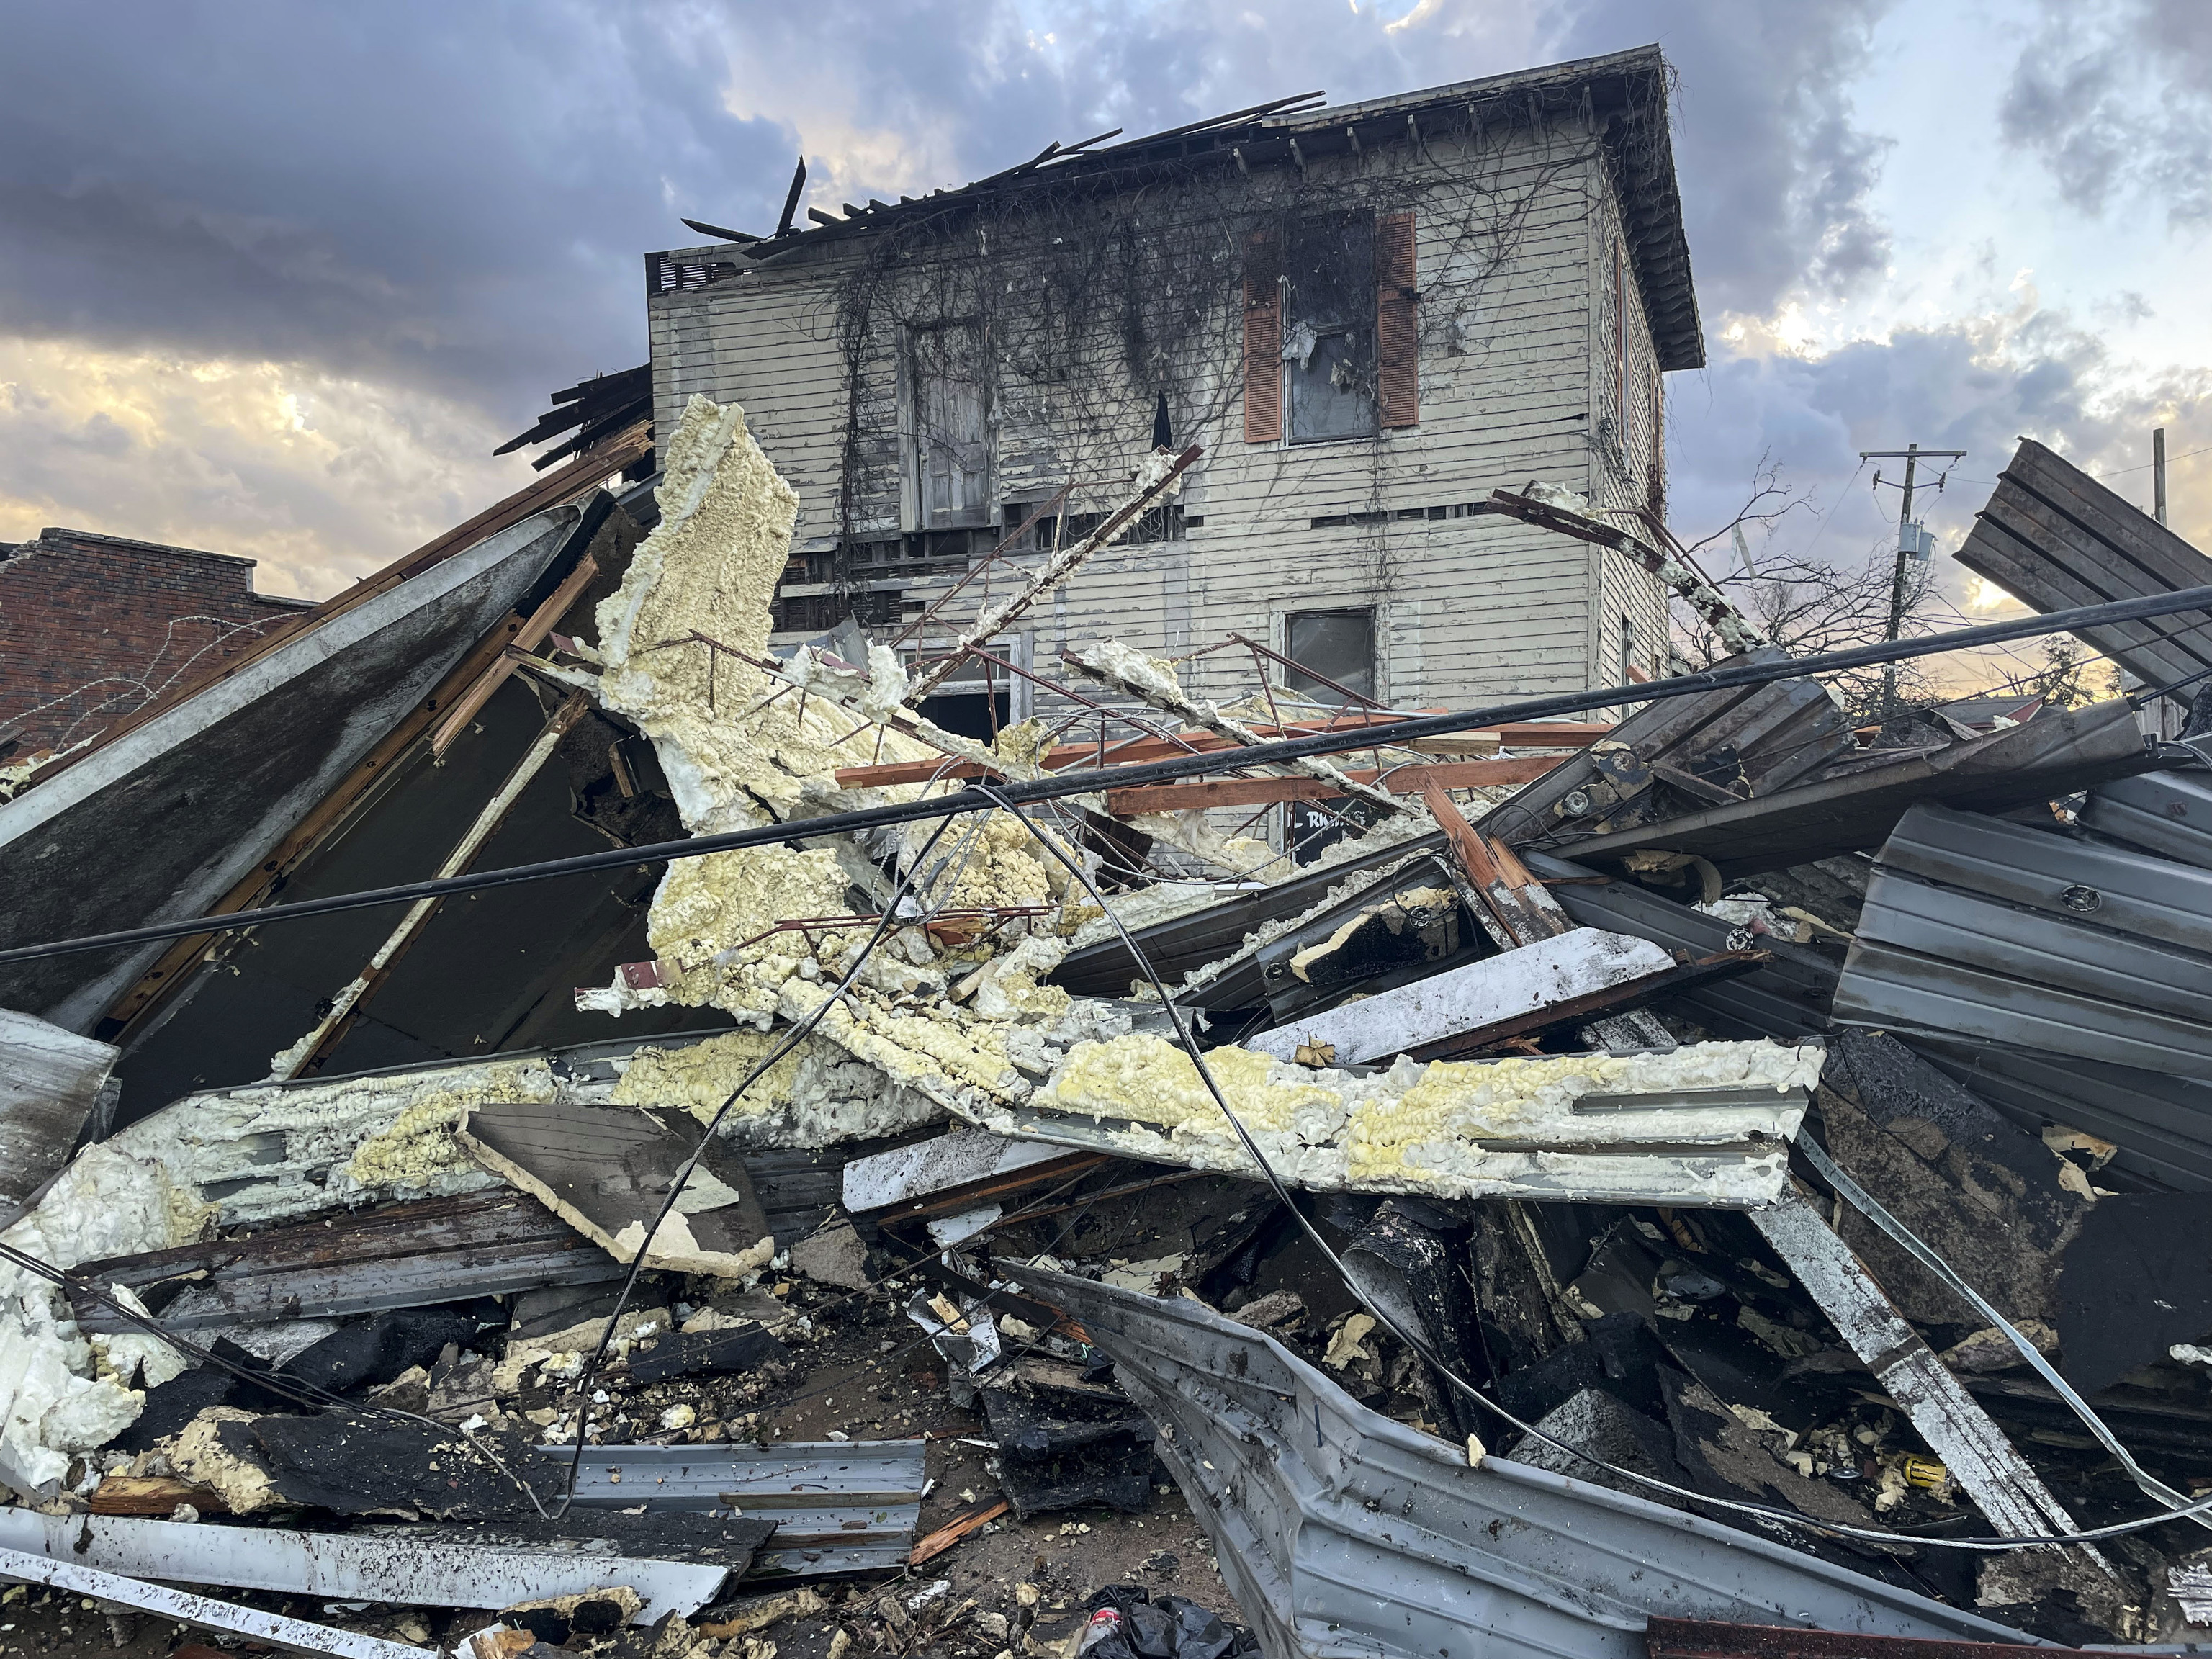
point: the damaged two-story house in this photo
(1370, 316)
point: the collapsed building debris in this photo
(622, 1097)
(1292, 1473)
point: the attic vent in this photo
(666, 273)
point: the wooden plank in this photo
(531, 635)
(1256, 792)
(1521, 735)
(1949, 1418)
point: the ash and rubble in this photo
(1561, 1233)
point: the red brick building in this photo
(92, 627)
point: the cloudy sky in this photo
(275, 278)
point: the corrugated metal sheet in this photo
(1342, 1532)
(2053, 537)
(2168, 813)
(2161, 1124)
(1978, 927)
(2062, 979)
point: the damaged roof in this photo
(1624, 95)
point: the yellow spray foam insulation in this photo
(933, 1049)
(699, 1076)
(1452, 1103)
(419, 1147)
(710, 568)
(1417, 1128)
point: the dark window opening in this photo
(1328, 327)
(969, 714)
(1335, 646)
(1159, 523)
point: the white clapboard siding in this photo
(1515, 379)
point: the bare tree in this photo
(1807, 606)
(2073, 674)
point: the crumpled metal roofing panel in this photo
(1342, 1533)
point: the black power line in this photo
(1086, 781)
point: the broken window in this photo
(1332, 646)
(1328, 327)
(949, 417)
(1329, 308)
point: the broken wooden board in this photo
(606, 1171)
(404, 1255)
(1464, 1001)
(2010, 1495)
(50, 1081)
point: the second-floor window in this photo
(1328, 327)
(949, 416)
(1330, 324)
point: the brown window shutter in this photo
(1397, 325)
(1263, 338)
(1656, 496)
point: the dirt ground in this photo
(862, 1372)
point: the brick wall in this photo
(92, 627)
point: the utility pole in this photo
(2158, 474)
(1909, 546)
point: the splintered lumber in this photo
(1516, 909)
(992, 620)
(1262, 792)
(953, 1531)
(1950, 1420)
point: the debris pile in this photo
(939, 1193)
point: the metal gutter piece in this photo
(1520, 982)
(839, 1506)
(1343, 1534)
(381, 1567)
(296, 1634)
